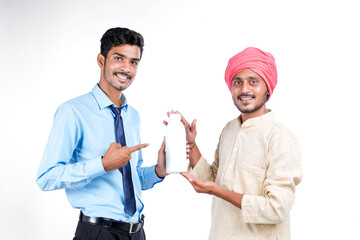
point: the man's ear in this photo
(101, 60)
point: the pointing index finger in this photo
(138, 147)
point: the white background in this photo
(48, 55)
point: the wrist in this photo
(215, 190)
(192, 145)
(160, 172)
(104, 164)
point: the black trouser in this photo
(87, 231)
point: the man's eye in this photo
(237, 83)
(118, 58)
(135, 63)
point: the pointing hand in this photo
(117, 156)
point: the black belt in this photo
(130, 228)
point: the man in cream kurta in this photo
(257, 162)
(260, 158)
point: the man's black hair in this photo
(118, 36)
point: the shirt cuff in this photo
(153, 176)
(94, 168)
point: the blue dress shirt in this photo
(82, 131)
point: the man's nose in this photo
(125, 66)
(245, 87)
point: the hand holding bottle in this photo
(193, 152)
(189, 129)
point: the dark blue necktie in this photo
(130, 204)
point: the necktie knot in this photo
(115, 110)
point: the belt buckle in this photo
(92, 220)
(131, 231)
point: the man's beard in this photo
(257, 107)
(111, 83)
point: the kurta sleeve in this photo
(204, 171)
(283, 174)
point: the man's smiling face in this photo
(249, 92)
(120, 66)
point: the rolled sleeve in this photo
(202, 170)
(283, 174)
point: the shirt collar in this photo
(103, 101)
(267, 117)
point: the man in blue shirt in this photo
(82, 155)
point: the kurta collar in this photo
(267, 117)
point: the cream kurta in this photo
(261, 159)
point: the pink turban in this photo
(258, 61)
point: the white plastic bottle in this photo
(175, 141)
